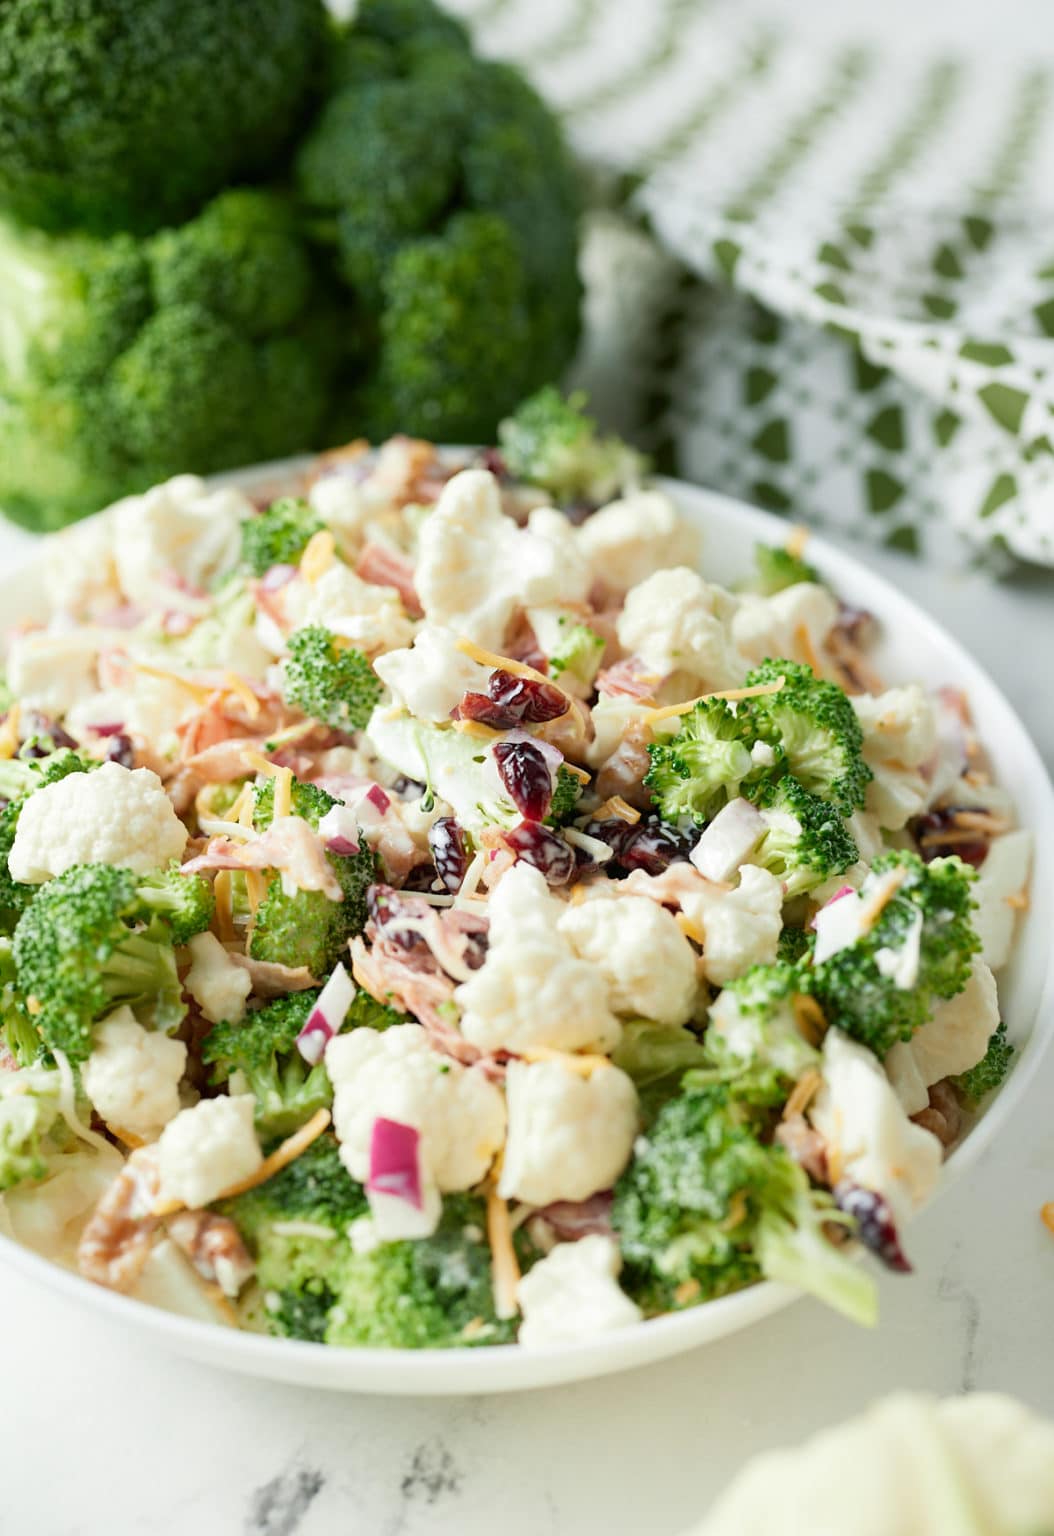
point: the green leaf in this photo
(1002, 489)
(993, 353)
(1005, 403)
(883, 490)
(773, 442)
(887, 428)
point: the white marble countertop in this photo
(103, 1434)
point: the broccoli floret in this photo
(776, 569)
(261, 1049)
(984, 1078)
(126, 361)
(813, 728)
(19, 1032)
(442, 186)
(280, 535)
(567, 792)
(578, 653)
(806, 840)
(124, 116)
(186, 902)
(754, 1042)
(367, 1013)
(306, 928)
(329, 679)
(657, 1056)
(295, 1268)
(87, 944)
(856, 992)
(20, 778)
(706, 1208)
(551, 442)
(423, 1294)
(702, 767)
(29, 1109)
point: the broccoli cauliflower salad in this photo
(433, 914)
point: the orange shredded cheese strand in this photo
(619, 808)
(797, 539)
(579, 773)
(505, 663)
(201, 691)
(126, 1138)
(243, 693)
(805, 645)
(585, 1064)
(280, 1158)
(318, 555)
(224, 910)
(1018, 901)
(258, 763)
(880, 898)
(809, 1018)
(505, 1268)
(283, 792)
(255, 889)
(9, 732)
(803, 1093)
(1047, 1215)
(686, 1292)
(242, 809)
(758, 691)
(690, 928)
(476, 728)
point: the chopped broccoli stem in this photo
(330, 680)
(186, 902)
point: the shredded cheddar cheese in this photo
(243, 693)
(258, 763)
(505, 1266)
(579, 773)
(585, 1064)
(9, 732)
(619, 808)
(126, 1138)
(803, 1093)
(283, 792)
(224, 911)
(803, 640)
(203, 692)
(476, 728)
(876, 903)
(686, 1292)
(318, 555)
(503, 663)
(1018, 901)
(796, 541)
(1047, 1215)
(669, 711)
(809, 1018)
(690, 928)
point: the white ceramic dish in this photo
(912, 647)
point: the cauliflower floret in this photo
(430, 677)
(132, 1075)
(674, 622)
(371, 617)
(954, 1039)
(637, 947)
(343, 506)
(113, 815)
(475, 566)
(631, 539)
(396, 1075)
(869, 1138)
(612, 715)
(218, 985)
(900, 735)
(569, 1135)
(574, 1292)
(80, 572)
(738, 928)
(532, 991)
(178, 529)
(1002, 879)
(794, 623)
(207, 1149)
(51, 670)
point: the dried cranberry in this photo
(536, 845)
(654, 845)
(42, 736)
(875, 1226)
(932, 824)
(450, 852)
(477, 706)
(492, 459)
(616, 833)
(527, 698)
(119, 749)
(525, 774)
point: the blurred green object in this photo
(128, 114)
(414, 267)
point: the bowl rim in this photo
(500, 1368)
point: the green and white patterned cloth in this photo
(871, 218)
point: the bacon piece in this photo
(805, 1145)
(214, 1246)
(383, 567)
(391, 976)
(623, 772)
(572, 1219)
(289, 845)
(116, 1243)
(629, 678)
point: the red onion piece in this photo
(843, 890)
(327, 1016)
(395, 1161)
(278, 576)
(377, 798)
(342, 846)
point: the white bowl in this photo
(912, 646)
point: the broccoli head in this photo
(19, 778)
(29, 1110)
(186, 902)
(124, 361)
(697, 771)
(984, 1078)
(88, 943)
(305, 927)
(328, 678)
(857, 987)
(814, 730)
(551, 442)
(775, 569)
(441, 185)
(279, 535)
(261, 1050)
(127, 116)
(806, 840)
(706, 1208)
